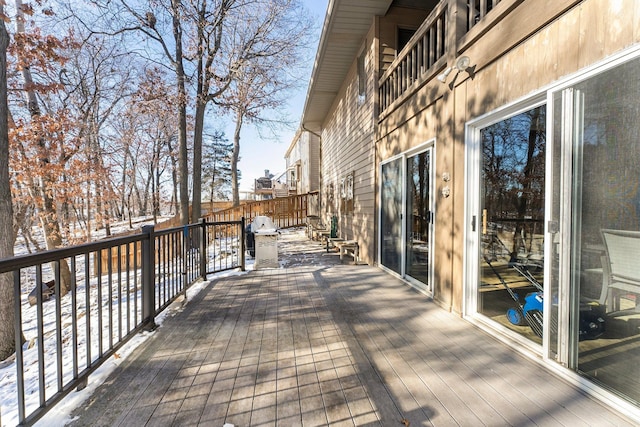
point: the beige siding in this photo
(347, 146)
(305, 151)
(534, 45)
(537, 44)
(314, 162)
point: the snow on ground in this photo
(60, 414)
(87, 289)
(117, 228)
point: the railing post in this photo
(148, 277)
(186, 245)
(460, 20)
(17, 307)
(242, 243)
(203, 248)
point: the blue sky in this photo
(257, 154)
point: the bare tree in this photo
(267, 75)
(7, 236)
(247, 54)
(159, 21)
(146, 135)
(97, 82)
(216, 39)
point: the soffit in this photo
(345, 26)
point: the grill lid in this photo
(263, 224)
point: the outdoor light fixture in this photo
(443, 77)
(461, 64)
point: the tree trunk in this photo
(7, 235)
(234, 159)
(88, 216)
(144, 203)
(174, 177)
(123, 197)
(183, 165)
(196, 205)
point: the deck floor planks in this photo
(325, 344)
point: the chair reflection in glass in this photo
(621, 268)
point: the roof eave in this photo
(345, 26)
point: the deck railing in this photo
(116, 287)
(285, 212)
(416, 60)
(419, 60)
(478, 9)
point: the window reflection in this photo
(511, 224)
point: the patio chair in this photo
(621, 267)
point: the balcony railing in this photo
(478, 9)
(116, 287)
(417, 61)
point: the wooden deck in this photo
(320, 343)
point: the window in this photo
(511, 217)
(362, 76)
(346, 193)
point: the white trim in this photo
(472, 205)
(469, 308)
(429, 145)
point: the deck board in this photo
(324, 343)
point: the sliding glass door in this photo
(391, 216)
(419, 217)
(553, 237)
(599, 134)
(406, 216)
(509, 221)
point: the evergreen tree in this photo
(216, 167)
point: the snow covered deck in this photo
(323, 343)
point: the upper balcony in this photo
(417, 40)
(450, 28)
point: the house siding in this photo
(314, 162)
(305, 151)
(519, 52)
(541, 52)
(347, 147)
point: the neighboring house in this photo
(480, 150)
(303, 163)
(271, 186)
(263, 187)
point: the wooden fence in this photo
(285, 212)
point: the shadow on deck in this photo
(320, 343)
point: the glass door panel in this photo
(391, 216)
(419, 217)
(511, 225)
(605, 228)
